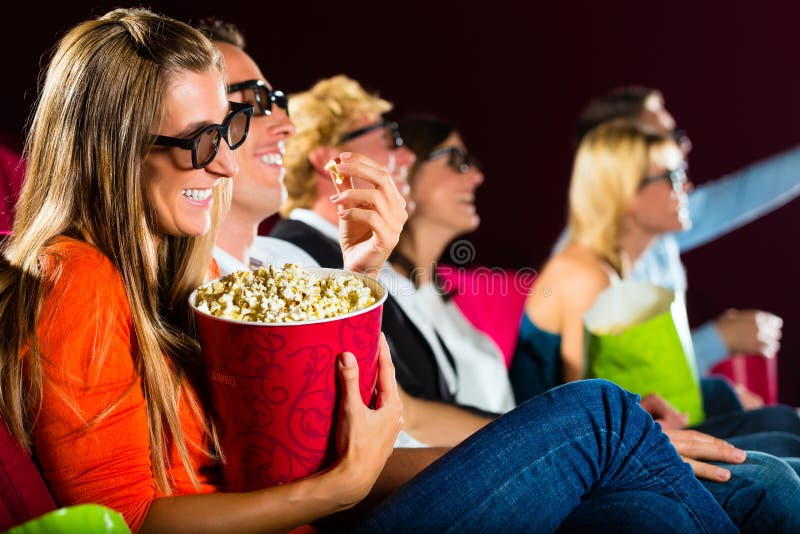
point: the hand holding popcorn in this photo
(370, 219)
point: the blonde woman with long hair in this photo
(627, 187)
(129, 165)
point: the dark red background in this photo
(513, 77)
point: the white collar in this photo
(264, 250)
(316, 221)
(403, 291)
(227, 263)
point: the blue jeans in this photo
(530, 469)
(780, 444)
(768, 419)
(628, 512)
(763, 494)
(718, 396)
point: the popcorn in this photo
(336, 176)
(282, 295)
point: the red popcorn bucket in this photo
(756, 372)
(274, 388)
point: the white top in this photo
(272, 251)
(398, 286)
(316, 221)
(482, 374)
(404, 294)
(264, 251)
(481, 377)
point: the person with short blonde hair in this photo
(323, 115)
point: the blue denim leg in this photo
(528, 470)
(718, 397)
(628, 512)
(794, 463)
(780, 444)
(767, 419)
(763, 495)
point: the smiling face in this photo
(179, 194)
(257, 190)
(444, 196)
(659, 207)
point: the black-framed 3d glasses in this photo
(457, 158)
(263, 95)
(677, 177)
(205, 143)
(391, 126)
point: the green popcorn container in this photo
(633, 339)
(86, 518)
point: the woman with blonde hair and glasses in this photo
(129, 172)
(129, 166)
(629, 185)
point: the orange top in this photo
(86, 339)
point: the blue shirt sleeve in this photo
(709, 348)
(734, 200)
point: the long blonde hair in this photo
(99, 104)
(609, 165)
(324, 113)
